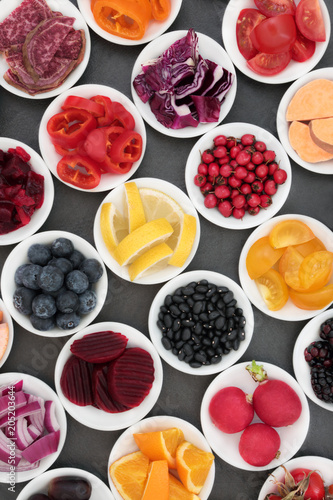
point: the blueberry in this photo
(87, 301)
(67, 321)
(42, 324)
(30, 276)
(44, 306)
(19, 274)
(76, 257)
(39, 254)
(51, 279)
(58, 292)
(22, 299)
(92, 268)
(77, 281)
(67, 302)
(64, 264)
(62, 247)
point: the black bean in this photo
(186, 334)
(166, 343)
(200, 357)
(215, 359)
(230, 324)
(211, 291)
(213, 315)
(229, 311)
(168, 300)
(196, 347)
(197, 328)
(228, 345)
(161, 316)
(161, 326)
(195, 317)
(210, 306)
(235, 344)
(201, 289)
(220, 304)
(226, 350)
(175, 351)
(181, 355)
(203, 317)
(220, 322)
(184, 307)
(176, 325)
(242, 321)
(197, 307)
(179, 344)
(232, 303)
(195, 364)
(206, 341)
(178, 299)
(188, 358)
(177, 336)
(222, 289)
(215, 341)
(239, 311)
(198, 296)
(168, 320)
(224, 337)
(164, 309)
(183, 316)
(188, 323)
(214, 298)
(196, 338)
(227, 297)
(202, 282)
(178, 291)
(207, 326)
(211, 334)
(174, 310)
(169, 334)
(210, 352)
(188, 349)
(188, 290)
(219, 351)
(232, 335)
(190, 301)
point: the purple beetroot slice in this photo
(102, 398)
(99, 347)
(76, 381)
(130, 377)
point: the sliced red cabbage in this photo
(169, 83)
(51, 423)
(42, 447)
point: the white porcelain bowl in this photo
(181, 281)
(18, 256)
(323, 466)
(213, 214)
(51, 157)
(289, 312)
(37, 387)
(208, 49)
(116, 197)
(154, 28)
(294, 69)
(310, 333)
(40, 484)
(125, 444)
(226, 445)
(325, 167)
(41, 214)
(67, 8)
(7, 319)
(98, 419)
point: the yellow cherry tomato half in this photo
(314, 245)
(311, 301)
(289, 266)
(316, 270)
(273, 289)
(290, 232)
(261, 257)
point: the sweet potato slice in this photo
(313, 100)
(322, 133)
(301, 141)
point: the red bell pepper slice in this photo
(122, 117)
(108, 164)
(71, 170)
(127, 147)
(70, 127)
(95, 144)
(108, 116)
(73, 101)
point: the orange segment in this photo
(273, 289)
(193, 466)
(290, 232)
(178, 492)
(160, 445)
(4, 338)
(261, 257)
(316, 269)
(129, 475)
(314, 245)
(311, 301)
(157, 485)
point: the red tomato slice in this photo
(247, 20)
(269, 64)
(271, 8)
(310, 21)
(303, 48)
(275, 34)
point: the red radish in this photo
(259, 444)
(231, 410)
(274, 401)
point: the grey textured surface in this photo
(219, 250)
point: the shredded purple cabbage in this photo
(181, 87)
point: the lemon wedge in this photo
(142, 239)
(185, 241)
(114, 227)
(134, 207)
(157, 204)
(152, 261)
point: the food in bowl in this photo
(4, 335)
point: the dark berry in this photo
(64, 264)
(326, 331)
(51, 278)
(319, 352)
(87, 301)
(92, 268)
(67, 302)
(77, 281)
(322, 382)
(22, 299)
(62, 247)
(30, 276)
(76, 257)
(67, 321)
(44, 306)
(39, 254)
(42, 324)
(19, 274)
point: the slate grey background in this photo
(219, 250)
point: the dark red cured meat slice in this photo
(71, 46)
(16, 26)
(99, 347)
(131, 376)
(76, 381)
(102, 398)
(42, 43)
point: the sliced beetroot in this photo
(35, 188)
(130, 377)
(102, 398)
(76, 380)
(99, 347)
